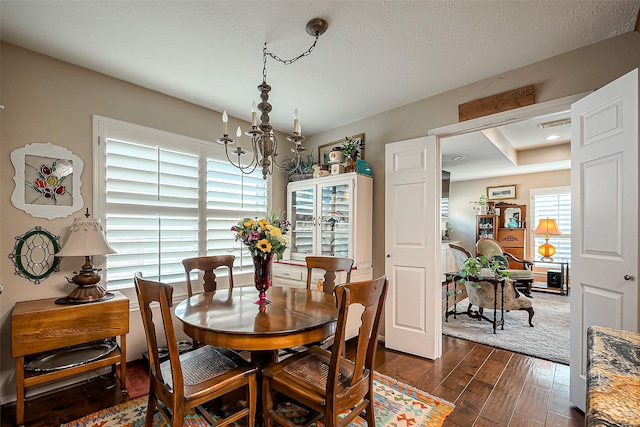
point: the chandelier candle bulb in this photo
(254, 117)
(296, 123)
(225, 123)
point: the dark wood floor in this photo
(490, 387)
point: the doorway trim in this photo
(494, 120)
(507, 117)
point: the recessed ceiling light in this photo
(458, 158)
(552, 137)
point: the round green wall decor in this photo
(34, 254)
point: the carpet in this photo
(396, 404)
(548, 339)
(137, 378)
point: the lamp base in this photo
(89, 288)
(87, 293)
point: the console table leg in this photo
(123, 364)
(20, 391)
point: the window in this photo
(553, 203)
(165, 197)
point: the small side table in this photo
(496, 282)
(452, 277)
(40, 326)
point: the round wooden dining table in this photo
(230, 318)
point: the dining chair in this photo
(208, 265)
(323, 381)
(330, 265)
(188, 380)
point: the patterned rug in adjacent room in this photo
(396, 404)
(548, 339)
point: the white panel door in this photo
(604, 216)
(413, 319)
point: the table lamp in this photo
(547, 227)
(86, 239)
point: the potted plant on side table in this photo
(481, 267)
(482, 279)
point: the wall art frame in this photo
(502, 192)
(33, 254)
(47, 180)
(323, 150)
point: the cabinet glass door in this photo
(302, 219)
(335, 220)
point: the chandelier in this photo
(263, 141)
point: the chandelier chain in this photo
(266, 52)
(264, 144)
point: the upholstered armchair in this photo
(481, 293)
(460, 254)
(520, 271)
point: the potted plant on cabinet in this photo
(350, 149)
(304, 169)
(481, 206)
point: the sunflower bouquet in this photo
(268, 235)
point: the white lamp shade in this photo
(86, 239)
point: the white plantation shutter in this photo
(231, 195)
(553, 203)
(166, 197)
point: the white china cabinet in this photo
(330, 216)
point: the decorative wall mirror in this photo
(512, 218)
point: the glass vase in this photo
(262, 276)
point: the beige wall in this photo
(52, 101)
(462, 216)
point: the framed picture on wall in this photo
(501, 193)
(47, 180)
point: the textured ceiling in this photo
(376, 55)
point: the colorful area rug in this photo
(397, 405)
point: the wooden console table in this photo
(42, 326)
